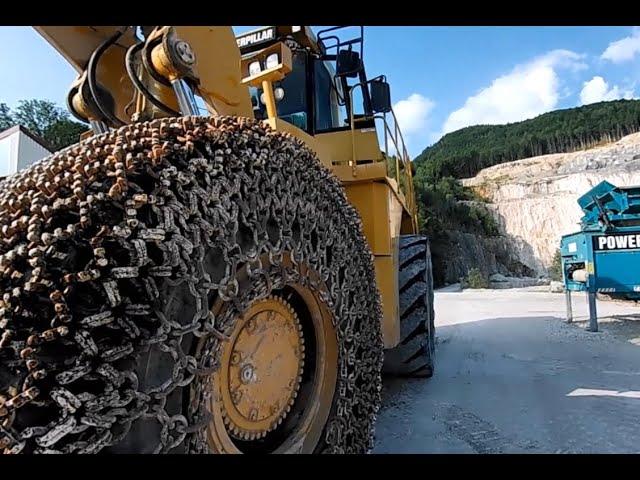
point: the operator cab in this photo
(313, 97)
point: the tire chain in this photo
(116, 218)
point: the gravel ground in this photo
(513, 377)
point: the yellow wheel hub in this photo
(261, 369)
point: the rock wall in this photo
(534, 200)
(464, 251)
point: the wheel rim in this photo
(262, 369)
(287, 386)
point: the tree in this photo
(45, 119)
(63, 133)
(37, 115)
(6, 121)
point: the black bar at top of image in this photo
(316, 13)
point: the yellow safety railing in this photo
(392, 138)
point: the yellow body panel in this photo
(339, 146)
(381, 213)
(387, 279)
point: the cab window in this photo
(292, 106)
(324, 98)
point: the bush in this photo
(484, 220)
(555, 270)
(445, 205)
(475, 279)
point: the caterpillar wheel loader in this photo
(226, 261)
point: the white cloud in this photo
(528, 90)
(624, 49)
(597, 90)
(413, 113)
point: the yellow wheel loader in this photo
(226, 262)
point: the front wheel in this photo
(190, 285)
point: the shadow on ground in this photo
(508, 385)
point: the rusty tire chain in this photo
(90, 235)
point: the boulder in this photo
(556, 287)
(456, 287)
(518, 282)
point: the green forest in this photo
(463, 153)
(446, 206)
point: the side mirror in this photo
(348, 64)
(380, 96)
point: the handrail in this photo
(359, 39)
(352, 124)
(402, 155)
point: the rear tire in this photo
(414, 356)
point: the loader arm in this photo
(215, 74)
(77, 44)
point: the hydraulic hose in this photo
(91, 77)
(129, 64)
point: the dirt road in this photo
(513, 377)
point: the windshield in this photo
(292, 107)
(326, 104)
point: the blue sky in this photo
(442, 78)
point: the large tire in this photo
(128, 241)
(414, 356)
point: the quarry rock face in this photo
(463, 251)
(534, 200)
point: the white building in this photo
(20, 148)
